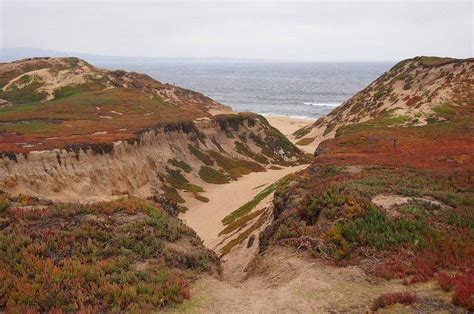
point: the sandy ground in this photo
(292, 282)
(205, 218)
(288, 125)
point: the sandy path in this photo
(205, 218)
(291, 282)
(288, 125)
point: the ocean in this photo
(306, 90)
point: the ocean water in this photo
(308, 90)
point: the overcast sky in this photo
(319, 31)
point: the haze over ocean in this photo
(308, 90)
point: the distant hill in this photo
(12, 54)
(413, 92)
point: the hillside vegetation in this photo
(413, 93)
(51, 102)
(393, 191)
(126, 255)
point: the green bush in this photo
(211, 175)
(3, 206)
(199, 154)
(236, 167)
(69, 90)
(302, 132)
(26, 94)
(180, 164)
(377, 230)
(245, 150)
(172, 194)
(178, 181)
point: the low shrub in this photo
(305, 141)
(199, 154)
(235, 167)
(301, 132)
(201, 198)
(172, 194)
(178, 181)
(446, 282)
(211, 175)
(377, 230)
(25, 95)
(245, 150)
(464, 291)
(180, 164)
(239, 223)
(70, 90)
(106, 257)
(387, 299)
(3, 205)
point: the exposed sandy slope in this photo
(205, 218)
(286, 125)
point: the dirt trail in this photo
(289, 282)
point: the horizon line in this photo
(56, 53)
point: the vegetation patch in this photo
(305, 141)
(244, 235)
(242, 221)
(69, 90)
(25, 94)
(201, 198)
(245, 150)
(211, 175)
(105, 257)
(178, 181)
(247, 207)
(172, 194)
(388, 299)
(180, 164)
(434, 61)
(235, 167)
(443, 110)
(199, 154)
(302, 132)
(377, 230)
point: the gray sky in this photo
(320, 31)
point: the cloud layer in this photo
(322, 31)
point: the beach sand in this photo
(288, 125)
